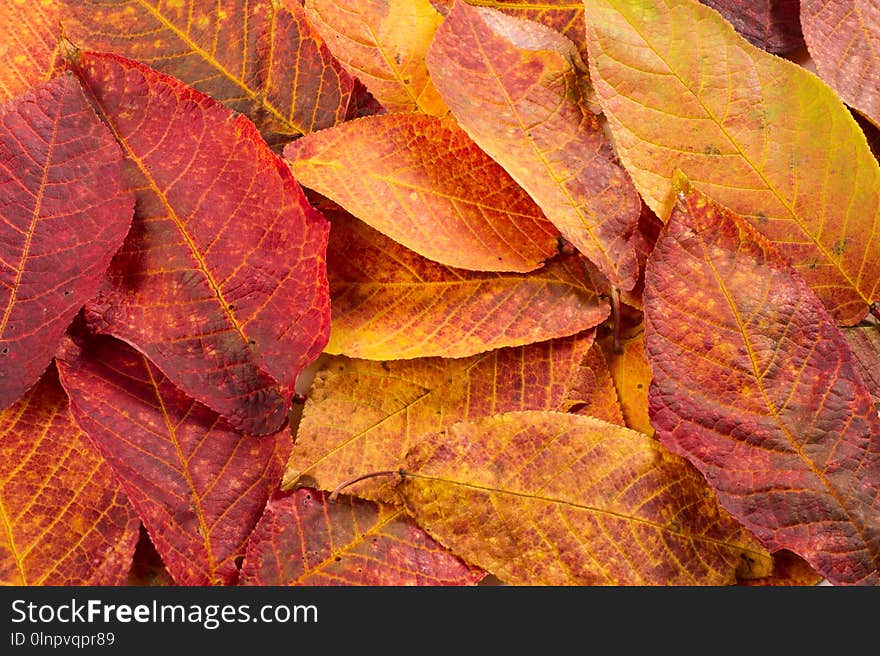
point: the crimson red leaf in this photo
(302, 539)
(65, 519)
(222, 281)
(198, 485)
(755, 385)
(58, 229)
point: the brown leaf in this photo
(757, 387)
(545, 498)
(516, 88)
(221, 281)
(593, 394)
(362, 416)
(425, 184)
(391, 304)
(67, 521)
(198, 485)
(302, 539)
(58, 229)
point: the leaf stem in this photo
(357, 479)
(615, 317)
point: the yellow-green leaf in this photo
(754, 132)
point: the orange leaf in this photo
(593, 393)
(632, 378)
(27, 44)
(362, 416)
(198, 485)
(303, 539)
(58, 229)
(544, 498)
(221, 281)
(516, 88)
(756, 133)
(67, 521)
(756, 386)
(843, 37)
(391, 304)
(425, 184)
(383, 43)
(258, 57)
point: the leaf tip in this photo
(681, 184)
(70, 52)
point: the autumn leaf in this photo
(631, 373)
(757, 387)
(362, 416)
(58, 230)
(788, 569)
(544, 498)
(425, 184)
(221, 282)
(302, 539)
(147, 568)
(198, 485)
(259, 57)
(772, 25)
(27, 45)
(756, 133)
(391, 304)
(66, 520)
(564, 16)
(383, 43)
(593, 393)
(516, 88)
(864, 342)
(843, 37)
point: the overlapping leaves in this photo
(508, 332)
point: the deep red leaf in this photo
(198, 485)
(58, 229)
(222, 281)
(773, 25)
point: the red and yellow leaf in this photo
(362, 416)
(303, 539)
(757, 387)
(425, 184)
(517, 88)
(383, 43)
(58, 229)
(545, 498)
(391, 304)
(65, 519)
(259, 57)
(758, 134)
(221, 282)
(198, 485)
(772, 25)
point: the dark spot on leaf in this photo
(639, 386)
(711, 150)
(840, 246)
(762, 218)
(338, 558)
(238, 561)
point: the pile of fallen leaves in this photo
(582, 292)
